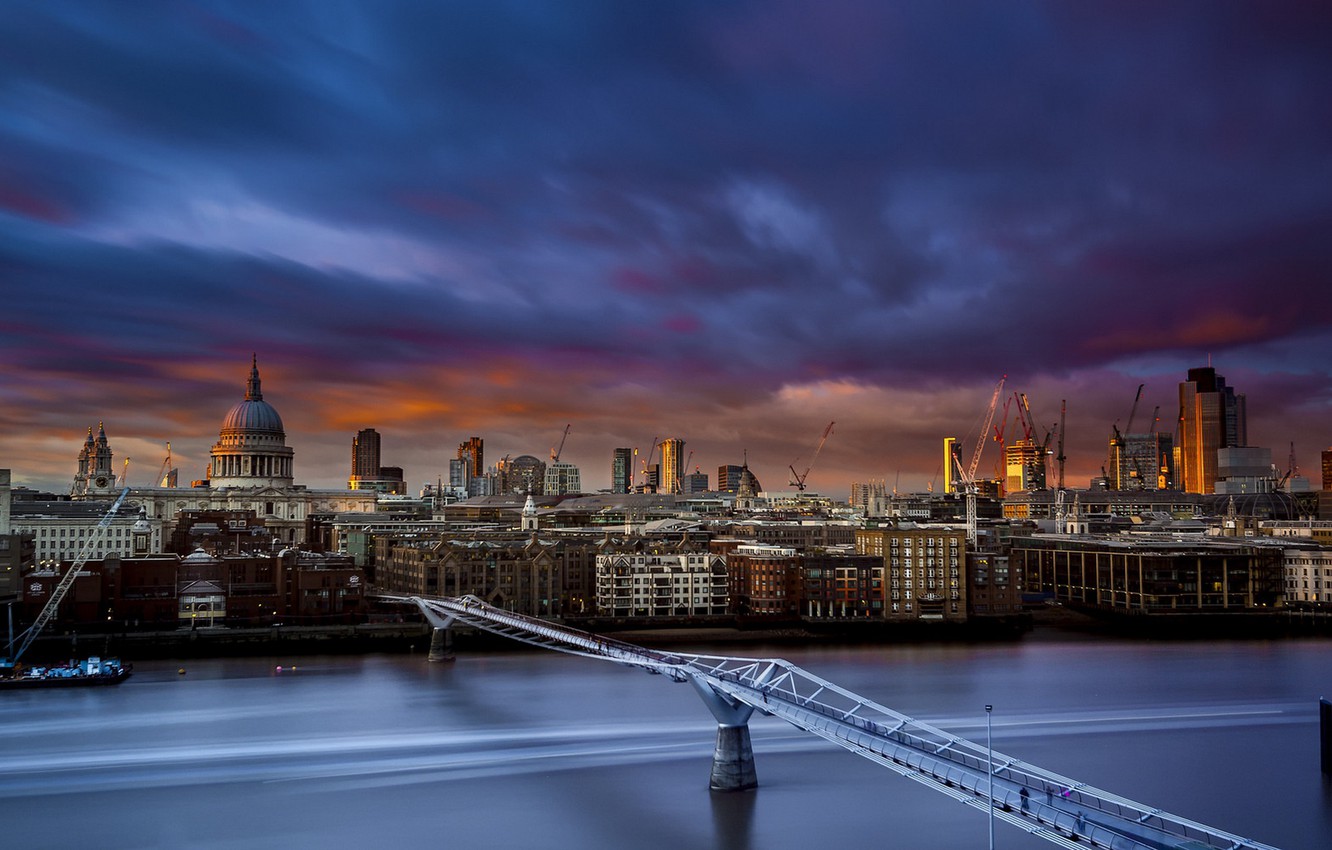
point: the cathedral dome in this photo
(252, 413)
(251, 448)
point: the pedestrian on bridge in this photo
(1026, 800)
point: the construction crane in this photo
(166, 477)
(67, 581)
(647, 462)
(1001, 437)
(124, 472)
(970, 471)
(555, 453)
(797, 478)
(1128, 429)
(1063, 410)
(1291, 469)
(969, 489)
(1117, 441)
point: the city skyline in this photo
(728, 223)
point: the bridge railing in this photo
(1070, 810)
(1068, 805)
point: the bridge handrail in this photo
(759, 681)
(916, 733)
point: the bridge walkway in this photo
(1056, 808)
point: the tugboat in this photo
(90, 671)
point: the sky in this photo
(729, 222)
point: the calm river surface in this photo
(534, 749)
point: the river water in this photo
(535, 749)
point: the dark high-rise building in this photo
(694, 482)
(365, 457)
(1327, 469)
(474, 449)
(622, 470)
(366, 472)
(728, 478)
(1211, 416)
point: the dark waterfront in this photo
(523, 749)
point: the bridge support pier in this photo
(733, 758)
(441, 645)
(441, 636)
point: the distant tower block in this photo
(1211, 416)
(622, 470)
(474, 449)
(365, 457)
(952, 454)
(672, 465)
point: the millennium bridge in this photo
(1059, 809)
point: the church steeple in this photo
(95, 475)
(252, 392)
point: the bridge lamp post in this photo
(989, 757)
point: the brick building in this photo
(923, 566)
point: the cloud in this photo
(718, 221)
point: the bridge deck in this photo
(1059, 809)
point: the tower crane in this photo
(1291, 469)
(167, 476)
(647, 462)
(797, 478)
(968, 488)
(970, 471)
(67, 580)
(968, 475)
(1001, 436)
(1128, 429)
(1060, 458)
(555, 453)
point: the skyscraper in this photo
(622, 470)
(694, 482)
(728, 477)
(474, 448)
(952, 453)
(365, 457)
(1211, 416)
(672, 465)
(1024, 462)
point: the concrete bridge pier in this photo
(441, 645)
(733, 758)
(441, 638)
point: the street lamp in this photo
(989, 756)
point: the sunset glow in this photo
(732, 223)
